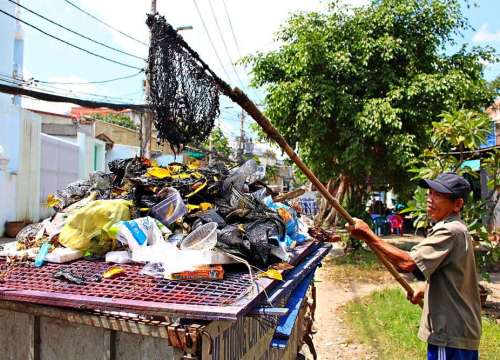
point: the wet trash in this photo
(112, 272)
(146, 213)
(67, 275)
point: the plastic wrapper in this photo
(238, 178)
(87, 229)
(72, 193)
(137, 233)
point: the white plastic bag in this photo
(138, 233)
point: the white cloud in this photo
(484, 35)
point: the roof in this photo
(78, 112)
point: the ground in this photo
(340, 281)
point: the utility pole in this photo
(241, 143)
(147, 120)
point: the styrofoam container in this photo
(202, 238)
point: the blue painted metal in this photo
(285, 326)
(297, 274)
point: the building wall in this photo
(59, 167)
(125, 136)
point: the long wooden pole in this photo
(242, 99)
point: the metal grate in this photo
(134, 292)
(130, 286)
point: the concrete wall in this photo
(59, 167)
(124, 136)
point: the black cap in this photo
(448, 183)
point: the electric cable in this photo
(50, 89)
(210, 40)
(224, 42)
(68, 43)
(76, 32)
(89, 82)
(104, 23)
(16, 90)
(232, 29)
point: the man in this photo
(451, 316)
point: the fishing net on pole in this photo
(183, 97)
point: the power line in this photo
(16, 90)
(224, 42)
(231, 26)
(104, 23)
(89, 82)
(210, 39)
(75, 32)
(24, 83)
(68, 43)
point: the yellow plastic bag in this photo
(87, 229)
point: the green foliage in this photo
(117, 119)
(452, 139)
(220, 143)
(389, 323)
(272, 172)
(495, 85)
(356, 89)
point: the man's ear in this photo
(458, 204)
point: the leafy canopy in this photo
(117, 119)
(356, 89)
(220, 143)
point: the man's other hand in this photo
(418, 296)
(360, 230)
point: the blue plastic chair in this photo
(380, 225)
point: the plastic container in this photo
(63, 255)
(203, 238)
(118, 257)
(171, 208)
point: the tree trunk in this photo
(331, 219)
(324, 206)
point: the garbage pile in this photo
(180, 221)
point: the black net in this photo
(183, 97)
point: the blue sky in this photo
(254, 23)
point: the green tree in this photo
(356, 89)
(220, 143)
(117, 119)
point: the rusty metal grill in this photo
(134, 292)
(130, 286)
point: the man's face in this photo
(440, 206)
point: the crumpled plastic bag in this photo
(253, 241)
(139, 232)
(87, 229)
(291, 220)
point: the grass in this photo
(389, 323)
(359, 266)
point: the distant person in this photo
(451, 316)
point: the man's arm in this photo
(399, 258)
